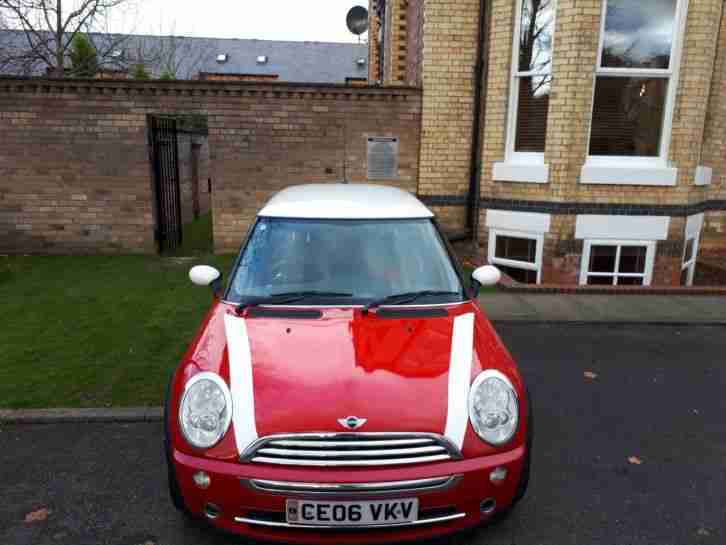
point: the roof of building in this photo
(303, 62)
(345, 201)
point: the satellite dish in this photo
(357, 20)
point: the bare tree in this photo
(173, 56)
(47, 28)
(182, 58)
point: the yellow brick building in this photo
(577, 141)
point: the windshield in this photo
(367, 259)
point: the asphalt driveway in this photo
(632, 453)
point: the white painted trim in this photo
(593, 173)
(240, 379)
(672, 73)
(528, 222)
(704, 175)
(622, 227)
(462, 354)
(537, 237)
(521, 172)
(694, 224)
(649, 260)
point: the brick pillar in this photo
(451, 31)
(713, 240)
(577, 32)
(714, 143)
(374, 54)
(692, 99)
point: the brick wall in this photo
(713, 240)
(76, 175)
(414, 42)
(451, 31)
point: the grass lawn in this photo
(92, 331)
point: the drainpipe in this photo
(480, 72)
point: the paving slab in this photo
(507, 306)
(654, 309)
(118, 414)
(555, 308)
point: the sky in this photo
(296, 20)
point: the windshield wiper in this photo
(403, 298)
(288, 297)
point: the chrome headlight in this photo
(493, 407)
(205, 411)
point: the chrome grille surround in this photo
(355, 490)
(351, 449)
(419, 522)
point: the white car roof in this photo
(344, 201)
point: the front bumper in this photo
(251, 497)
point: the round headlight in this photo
(493, 407)
(205, 411)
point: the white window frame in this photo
(690, 264)
(524, 265)
(693, 232)
(597, 166)
(647, 276)
(530, 158)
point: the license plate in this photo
(352, 513)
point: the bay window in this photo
(530, 88)
(635, 89)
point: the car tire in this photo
(175, 494)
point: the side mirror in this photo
(204, 275)
(487, 275)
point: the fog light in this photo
(212, 511)
(201, 479)
(498, 475)
(488, 506)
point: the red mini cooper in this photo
(345, 387)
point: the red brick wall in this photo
(75, 171)
(414, 39)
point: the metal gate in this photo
(165, 158)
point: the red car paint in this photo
(309, 373)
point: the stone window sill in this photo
(703, 175)
(532, 173)
(628, 175)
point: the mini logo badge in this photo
(352, 422)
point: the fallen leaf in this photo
(39, 515)
(590, 375)
(635, 460)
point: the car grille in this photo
(351, 449)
